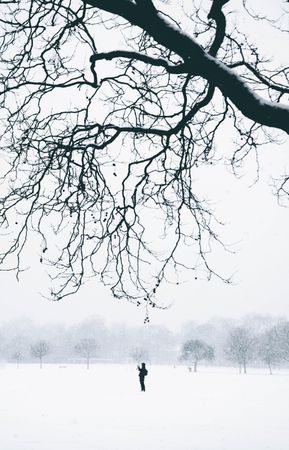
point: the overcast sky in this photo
(255, 227)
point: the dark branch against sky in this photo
(105, 143)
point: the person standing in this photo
(142, 374)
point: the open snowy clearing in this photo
(61, 408)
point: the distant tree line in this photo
(245, 346)
(256, 341)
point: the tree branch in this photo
(158, 62)
(87, 170)
(218, 16)
(201, 63)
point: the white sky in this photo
(254, 222)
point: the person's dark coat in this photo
(142, 374)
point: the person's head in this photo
(143, 365)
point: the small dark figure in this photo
(142, 374)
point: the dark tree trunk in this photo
(270, 368)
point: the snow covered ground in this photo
(61, 408)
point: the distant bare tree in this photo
(282, 332)
(17, 356)
(240, 347)
(17, 348)
(196, 350)
(39, 350)
(139, 354)
(87, 348)
(269, 348)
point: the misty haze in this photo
(144, 225)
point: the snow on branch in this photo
(202, 63)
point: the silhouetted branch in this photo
(102, 145)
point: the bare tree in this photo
(195, 351)
(139, 354)
(269, 348)
(241, 347)
(17, 356)
(87, 348)
(282, 336)
(96, 136)
(39, 350)
(17, 348)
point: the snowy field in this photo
(61, 408)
